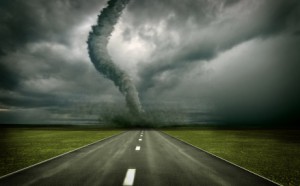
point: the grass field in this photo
(21, 147)
(274, 154)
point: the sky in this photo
(196, 61)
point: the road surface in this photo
(136, 158)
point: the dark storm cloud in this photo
(23, 22)
(154, 11)
(193, 32)
(266, 87)
(265, 19)
(43, 59)
(30, 21)
(210, 57)
(8, 79)
(67, 79)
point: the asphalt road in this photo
(157, 159)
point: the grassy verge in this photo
(271, 153)
(21, 147)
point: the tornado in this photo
(97, 47)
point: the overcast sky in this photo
(238, 60)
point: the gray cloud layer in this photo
(235, 59)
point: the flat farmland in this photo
(271, 153)
(21, 147)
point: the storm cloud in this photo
(221, 61)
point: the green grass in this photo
(274, 154)
(21, 147)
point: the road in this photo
(136, 158)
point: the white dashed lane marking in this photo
(129, 178)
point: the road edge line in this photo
(222, 159)
(65, 153)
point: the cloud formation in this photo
(97, 47)
(222, 61)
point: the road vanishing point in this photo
(136, 157)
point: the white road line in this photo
(140, 139)
(129, 178)
(138, 148)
